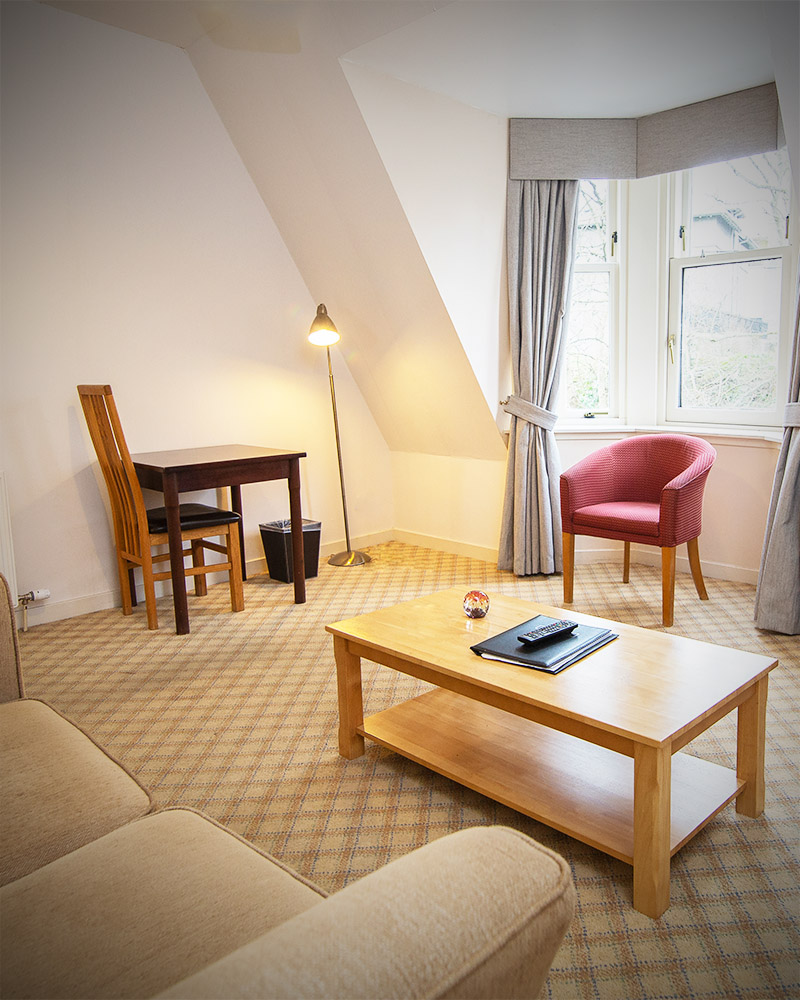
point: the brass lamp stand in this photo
(323, 333)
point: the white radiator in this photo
(7, 567)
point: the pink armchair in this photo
(646, 489)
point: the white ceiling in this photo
(579, 59)
(512, 58)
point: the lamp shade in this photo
(323, 332)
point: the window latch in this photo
(614, 239)
(682, 235)
(671, 346)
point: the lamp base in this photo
(349, 559)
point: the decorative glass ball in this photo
(476, 604)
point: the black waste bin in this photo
(277, 539)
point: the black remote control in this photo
(556, 630)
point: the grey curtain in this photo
(778, 591)
(540, 245)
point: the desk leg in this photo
(296, 516)
(176, 556)
(351, 705)
(652, 769)
(750, 742)
(236, 507)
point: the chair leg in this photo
(199, 559)
(132, 585)
(697, 573)
(568, 549)
(149, 593)
(234, 554)
(125, 581)
(626, 563)
(668, 585)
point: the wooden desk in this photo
(591, 751)
(174, 472)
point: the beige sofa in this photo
(104, 897)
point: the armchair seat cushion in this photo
(626, 517)
(58, 789)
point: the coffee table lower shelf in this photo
(583, 790)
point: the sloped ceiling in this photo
(273, 71)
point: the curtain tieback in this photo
(791, 416)
(519, 407)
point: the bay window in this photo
(731, 280)
(720, 306)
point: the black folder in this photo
(551, 656)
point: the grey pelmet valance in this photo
(721, 128)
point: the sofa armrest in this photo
(11, 686)
(479, 913)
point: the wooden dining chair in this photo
(138, 530)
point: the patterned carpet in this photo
(239, 719)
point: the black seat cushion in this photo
(193, 515)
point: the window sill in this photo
(594, 428)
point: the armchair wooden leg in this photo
(668, 585)
(626, 563)
(568, 549)
(697, 573)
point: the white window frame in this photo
(678, 201)
(615, 267)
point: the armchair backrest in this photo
(643, 465)
(11, 687)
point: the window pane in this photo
(592, 232)
(587, 351)
(730, 320)
(741, 204)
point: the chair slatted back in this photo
(125, 493)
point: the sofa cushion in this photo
(58, 789)
(140, 909)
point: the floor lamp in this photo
(323, 333)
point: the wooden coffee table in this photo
(591, 751)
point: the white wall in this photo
(451, 504)
(136, 251)
(448, 164)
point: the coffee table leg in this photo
(651, 829)
(751, 737)
(351, 706)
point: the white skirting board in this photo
(51, 611)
